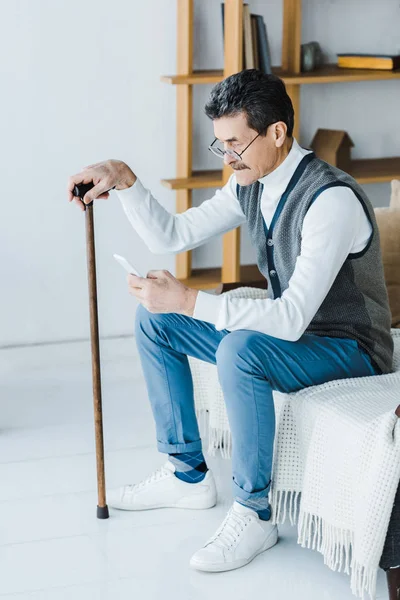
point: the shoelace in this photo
(230, 530)
(155, 476)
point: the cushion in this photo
(388, 219)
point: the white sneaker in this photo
(240, 538)
(162, 489)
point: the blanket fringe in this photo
(279, 499)
(217, 438)
(335, 544)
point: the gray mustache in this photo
(241, 168)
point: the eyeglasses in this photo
(218, 151)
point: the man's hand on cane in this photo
(161, 292)
(105, 176)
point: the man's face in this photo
(262, 157)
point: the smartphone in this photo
(128, 267)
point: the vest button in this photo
(272, 273)
(270, 243)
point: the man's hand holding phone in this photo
(160, 291)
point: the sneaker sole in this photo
(162, 506)
(180, 504)
(219, 567)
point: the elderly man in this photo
(326, 316)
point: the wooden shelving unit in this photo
(364, 171)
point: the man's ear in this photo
(279, 131)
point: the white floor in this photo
(52, 547)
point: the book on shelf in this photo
(248, 62)
(263, 45)
(254, 39)
(382, 62)
(256, 52)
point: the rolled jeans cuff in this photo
(178, 448)
(241, 493)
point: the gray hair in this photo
(262, 97)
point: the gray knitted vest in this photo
(356, 305)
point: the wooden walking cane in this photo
(102, 508)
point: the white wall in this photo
(81, 83)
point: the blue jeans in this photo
(250, 365)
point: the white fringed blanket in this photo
(336, 461)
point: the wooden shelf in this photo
(330, 73)
(211, 278)
(366, 170)
(198, 180)
(334, 74)
(195, 77)
(375, 170)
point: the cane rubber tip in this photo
(102, 512)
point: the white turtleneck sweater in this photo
(334, 226)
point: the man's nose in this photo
(228, 159)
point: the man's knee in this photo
(235, 346)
